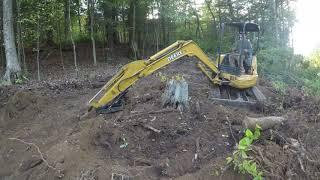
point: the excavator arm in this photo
(136, 70)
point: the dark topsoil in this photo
(50, 115)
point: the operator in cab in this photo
(242, 54)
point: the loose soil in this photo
(51, 115)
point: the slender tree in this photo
(71, 37)
(60, 45)
(92, 3)
(13, 68)
(133, 42)
(38, 45)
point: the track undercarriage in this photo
(235, 97)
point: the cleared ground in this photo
(48, 114)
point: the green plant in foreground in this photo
(240, 159)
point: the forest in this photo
(55, 55)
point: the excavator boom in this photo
(132, 72)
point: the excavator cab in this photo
(228, 86)
(239, 59)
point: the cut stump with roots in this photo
(176, 94)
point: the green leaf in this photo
(258, 127)
(229, 160)
(249, 133)
(244, 155)
(256, 134)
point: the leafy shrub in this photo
(240, 159)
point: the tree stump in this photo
(176, 94)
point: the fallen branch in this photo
(301, 151)
(153, 119)
(196, 155)
(151, 112)
(152, 128)
(38, 149)
(301, 164)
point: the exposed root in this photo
(230, 128)
(38, 149)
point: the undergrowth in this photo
(240, 159)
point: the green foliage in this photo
(280, 86)
(162, 77)
(284, 70)
(314, 58)
(273, 62)
(21, 79)
(240, 158)
(308, 72)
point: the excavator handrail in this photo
(134, 71)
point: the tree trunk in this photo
(79, 17)
(92, 33)
(132, 35)
(264, 122)
(18, 32)
(2, 58)
(12, 66)
(208, 3)
(3, 64)
(60, 46)
(66, 18)
(38, 46)
(21, 53)
(275, 20)
(157, 36)
(104, 40)
(231, 11)
(198, 28)
(71, 36)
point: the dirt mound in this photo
(21, 108)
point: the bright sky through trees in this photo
(306, 32)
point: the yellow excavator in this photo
(230, 84)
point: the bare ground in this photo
(48, 115)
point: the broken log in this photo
(264, 122)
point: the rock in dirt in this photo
(263, 122)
